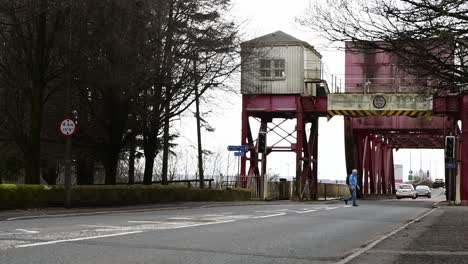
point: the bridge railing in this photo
(362, 85)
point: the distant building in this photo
(398, 173)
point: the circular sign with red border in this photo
(67, 127)
(379, 101)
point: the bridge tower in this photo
(386, 110)
(281, 80)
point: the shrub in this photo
(35, 196)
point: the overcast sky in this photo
(260, 17)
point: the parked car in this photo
(438, 183)
(406, 191)
(423, 190)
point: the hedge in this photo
(36, 196)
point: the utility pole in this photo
(68, 112)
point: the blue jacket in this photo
(353, 181)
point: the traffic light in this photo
(449, 147)
(261, 144)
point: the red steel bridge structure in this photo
(370, 136)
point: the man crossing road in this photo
(353, 187)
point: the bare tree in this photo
(31, 67)
(427, 36)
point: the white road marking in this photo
(304, 212)
(76, 239)
(201, 224)
(103, 226)
(27, 231)
(331, 208)
(180, 218)
(145, 222)
(429, 253)
(266, 216)
(214, 215)
(96, 213)
(382, 238)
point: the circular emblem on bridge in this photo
(379, 101)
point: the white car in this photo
(423, 190)
(406, 191)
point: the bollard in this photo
(325, 191)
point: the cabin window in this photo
(272, 68)
(265, 68)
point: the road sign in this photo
(239, 154)
(451, 166)
(67, 127)
(243, 148)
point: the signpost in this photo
(67, 129)
(239, 152)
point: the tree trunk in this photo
(32, 158)
(200, 150)
(85, 170)
(131, 164)
(149, 165)
(166, 137)
(110, 166)
(32, 167)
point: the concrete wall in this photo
(285, 190)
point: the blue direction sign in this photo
(242, 148)
(451, 166)
(239, 154)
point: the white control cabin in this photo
(278, 63)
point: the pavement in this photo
(379, 231)
(439, 237)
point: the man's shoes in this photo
(355, 205)
(346, 202)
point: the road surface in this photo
(270, 233)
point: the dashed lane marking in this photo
(307, 211)
(76, 239)
(27, 231)
(145, 222)
(103, 226)
(180, 218)
(267, 216)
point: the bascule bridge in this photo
(383, 109)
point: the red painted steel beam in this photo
(399, 123)
(284, 104)
(446, 105)
(366, 158)
(464, 151)
(392, 172)
(245, 130)
(318, 105)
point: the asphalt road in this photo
(269, 233)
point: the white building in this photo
(398, 173)
(278, 63)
